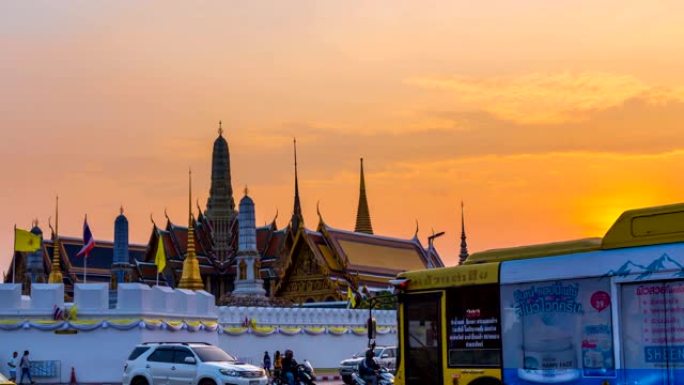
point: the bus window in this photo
(422, 339)
(473, 334)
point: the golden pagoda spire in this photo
(463, 255)
(297, 220)
(56, 270)
(191, 278)
(363, 220)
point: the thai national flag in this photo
(88, 240)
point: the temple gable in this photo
(306, 278)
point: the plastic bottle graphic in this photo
(597, 345)
(549, 354)
(597, 350)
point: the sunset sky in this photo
(548, 118)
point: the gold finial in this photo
(363, 220)
(297, 217)
(191, 278)
(190, 195)
(220, 128)
(56, 269)
(246, 191)
(121, 209)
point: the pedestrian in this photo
(12, 364)
(267, 364)
(25, 366)
(277, 364)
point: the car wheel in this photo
(139, 381)
(207, 382)
(347, 380)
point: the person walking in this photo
(25, 365)
(12, 364)
(267, 364)
(277, 365)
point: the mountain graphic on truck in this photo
(664, 263)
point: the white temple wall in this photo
(97, 356)
(104, 337)
(323, 351)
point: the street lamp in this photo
(431, 241)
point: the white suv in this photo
(188, 363)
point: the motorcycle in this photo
(304, 377)
(384, 377)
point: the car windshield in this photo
(363, 353)
(213, 354)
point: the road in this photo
(336, 382)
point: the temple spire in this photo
(363, 220)
(220, 211)
(191, 278)
(56, 270)
(463, 255)
(297, 218)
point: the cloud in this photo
(541, 98)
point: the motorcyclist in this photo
(369, 367)
(289, 371)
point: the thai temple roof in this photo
(344, 257)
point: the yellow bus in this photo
(593, 311)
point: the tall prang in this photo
(220, 204)
(120, 261)
(248, 281)
(34, 261)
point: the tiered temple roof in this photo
(298, 264)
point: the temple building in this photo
(294, 263)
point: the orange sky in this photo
(547, 118)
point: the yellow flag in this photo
(351, 298)
(73, 312)
(160, 258)
(26, 241)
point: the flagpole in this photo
(14, 255)
(85, 256)
(157, 275)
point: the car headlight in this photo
(229, 372)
